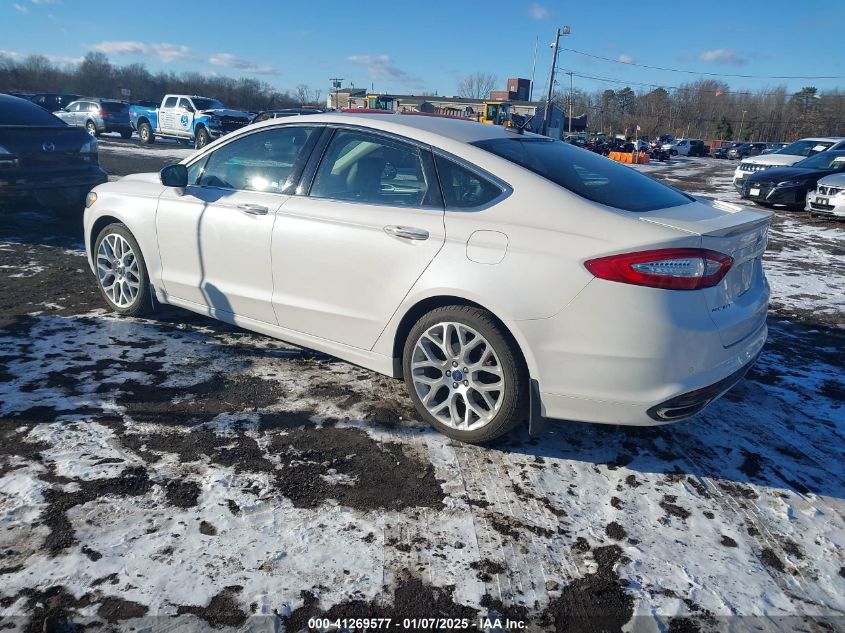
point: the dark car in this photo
(789, 185)
(44, 159)
(53, 101)
(722, 152)
(284, 112)
(743, 150)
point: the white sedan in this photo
(505, 276)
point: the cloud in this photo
(56, 59)
(538, 12)
(227, 60)
(19, 8)
(382, 67)
(164, 51)
(626, 59)
(722, 56)
(46, 2)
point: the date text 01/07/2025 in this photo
(437, 624)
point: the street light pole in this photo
(555, 46)
(570, 102)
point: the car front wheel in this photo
(464, 374)
(121, 271)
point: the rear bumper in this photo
(616, 353)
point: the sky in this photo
(410, 46)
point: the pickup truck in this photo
(191, 118)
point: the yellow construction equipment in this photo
(496, 113)
(381, 102)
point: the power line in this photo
(695, 72)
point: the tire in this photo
(202, 138)
(425, 344)
(145, 134)
(674, 152)
(91, 128)
(127, 134)
(116, 237)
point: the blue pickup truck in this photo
(191, 118)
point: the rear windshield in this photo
(114, 106)
(19, 112)
(587, 174)
(805, 148)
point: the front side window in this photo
(256, 162)
(462, 188)
(74, 107)
(185, 104)
(586, 174)
(372, 169)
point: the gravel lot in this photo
(177, 473)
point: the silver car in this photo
(98, 116)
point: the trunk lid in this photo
(53, 148)
(739, 303)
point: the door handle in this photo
(253, 209)
(406, 232)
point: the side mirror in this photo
(174, 176)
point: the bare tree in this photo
(477, 86)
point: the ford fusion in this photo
(506, 277)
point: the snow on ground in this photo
(157, 467)
(157, 150)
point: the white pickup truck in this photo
(188, 117)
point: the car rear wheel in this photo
(121, 271)
(91, 128)
(464, 374)
(145, 134)
(126, 134)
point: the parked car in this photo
(52, 101)
(586, 290)
(744, 150)
(722, 152)
(186, 117)
(98, 116)
(282, 113)
(771, 148)
(663, 139)
(43, 159)
(789, 155)
(789, 186)
(828, 199)
(687, 147)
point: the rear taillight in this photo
(103, 113)
(668, 268)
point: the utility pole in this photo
(533, 69)
(741, 123)
(336, 82)
(570, 102)
(555, 45)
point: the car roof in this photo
(420, 127)
(832, 139)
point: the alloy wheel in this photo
(457, 376)
(118, 270)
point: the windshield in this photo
(805, 148)
(828, 160)
(586, 174)
(201, 103)
(18, 112)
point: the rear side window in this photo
(462, 188)
(23, 113)
(170, 102)
(586, 174)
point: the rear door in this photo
(347, 252)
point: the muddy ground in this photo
(179, 473)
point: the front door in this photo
(215, 238)
(346, 254)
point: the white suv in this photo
(786, 157)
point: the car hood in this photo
(784, 160)
(221, 112)
(786, 173)
(834, 180)
(151, 176)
